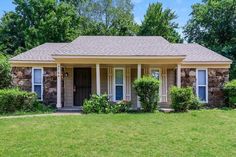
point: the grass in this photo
(19, 113)
(196, 133)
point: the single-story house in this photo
(65, 74)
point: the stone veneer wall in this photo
(21, 77)
(216, 80)
(50, 86)
(188, 78)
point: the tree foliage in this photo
(106, 17)
(5, 69)
(35, 22)
(213, 24)
(159, 21)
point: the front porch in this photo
(79, 81)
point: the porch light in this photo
(66, 74)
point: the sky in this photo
(182, 8)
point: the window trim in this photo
(33, 84)
(197, 86)
(114, 83)
(160, 79)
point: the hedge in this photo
(13, 100)
(230, 93)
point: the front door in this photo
(82, 85)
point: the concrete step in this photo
(70, 109)
(164, 105)
(166, 110)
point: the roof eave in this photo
(56, 56)
(207, 62)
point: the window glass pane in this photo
(202, 93)
(119, 92)
(155, 74)
(119, 76)
(37, 90)
(37, 76)
(201, 77)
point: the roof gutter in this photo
(117, 57)
(207, 62)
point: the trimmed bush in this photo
(121, 106)
(230, 93)
(183, 99)
(97, 104)
(147, 88)
(13, 100)
(5, 73)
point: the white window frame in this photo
(33, 84)
(114, 83)
(197, 86)
(160, 79)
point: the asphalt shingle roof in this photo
(120, 46)
(198, 53)
(40, 53)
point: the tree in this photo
(213, 24)
(36, 22)
(5, 73)
(106, 17)
(122, 25)
(159, 22)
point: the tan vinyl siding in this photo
(103, 79)
(133, 95)
(110, 85)
(163, 86)
(68, 87)
(104, 83)
(171, 80)
(128, 83)
(93, 75)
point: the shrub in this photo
(230, 93)
(38, 106)
(5, 73)
(121, 106)
(183, 99)
(12, 100)
(147, 88)
(194, 103)
(97, 104)
(101, 104)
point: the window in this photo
(119, 89)
(155, 73)
(37, 82)
(202, 87)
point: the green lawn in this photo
(196, 133)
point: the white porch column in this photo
(178, 75)
(98, 82)
(59, 86)
(139, 76)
